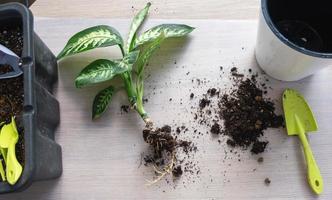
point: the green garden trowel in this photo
(299, 121)
(8, 140)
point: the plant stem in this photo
(140, 109)
(127, 79)
(136, 102)
(135, 97)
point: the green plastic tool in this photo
(299, 121)
(8, 140)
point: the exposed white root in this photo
(148, 122)
(161, 173)
(133, 106)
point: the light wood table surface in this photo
(101, 159)
(175, 9)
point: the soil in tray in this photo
(12, 90)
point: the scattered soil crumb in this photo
(212, 92)
(258, 147)
(177, 171)
(215, 129)
(267, 181)
(125, 108)
(203, 103)
(260, 160)
(192, 95)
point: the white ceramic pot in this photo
(281, 58)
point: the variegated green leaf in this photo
(103, 70)
(90, 38)
(170, 30)
(137, 22)
(142, 60)
(147, 52)
(99, 71)
(102, 101)
(130, 58)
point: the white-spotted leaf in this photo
(103, 70)
(169, 30)
(143, 59)
(147, 52)
(130, 59)
(91, 38)
(102, 101)
(136, 23)
(99, 71)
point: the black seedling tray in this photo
(41, 114)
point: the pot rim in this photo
(273, 28)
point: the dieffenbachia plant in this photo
(136, 53)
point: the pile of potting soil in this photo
(241, 113)
(246, 114)
(12, 90)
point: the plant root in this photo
(148, 122)
(164, 148)
(161, 173)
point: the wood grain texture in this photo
(181, 9)
(101, 159)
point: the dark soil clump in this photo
(12, 90)
(260, 160)
(177, 171)
(215, 129)
(204, 102)
(125, 108)
(212, 92)
(166, 129)
(161, 142)
(267, 181)
(191, 95)
(258, 147)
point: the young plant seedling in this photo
(136, 53)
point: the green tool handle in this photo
(13, 168)
(314, 177)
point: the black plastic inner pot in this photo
(304, 25)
